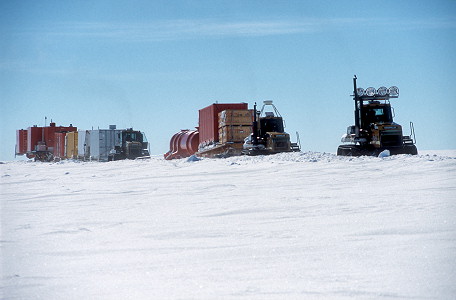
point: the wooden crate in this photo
(235, 117)
(234, 133)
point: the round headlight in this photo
(360, 92)
(393, 91)
(370, 91)
(382, 91)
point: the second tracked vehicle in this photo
(231, 129)
(268, 135)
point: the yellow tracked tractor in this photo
(374, 130)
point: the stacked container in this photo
(209, 121)
(235, 125)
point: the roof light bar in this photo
(381, 92)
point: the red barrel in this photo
(183, 144)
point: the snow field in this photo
(288, 226)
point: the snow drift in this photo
(293, 225)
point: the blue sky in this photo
(151, 65)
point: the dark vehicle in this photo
(374, 130)
(268, 134)
(133, 145)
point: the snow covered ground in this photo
(289, 226)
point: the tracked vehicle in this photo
(231, 129)
(133, 144)
(374, 130)
(268, 135)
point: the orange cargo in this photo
(234, 133)
(236, 117)
(209, 123)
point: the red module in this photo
(50, 137)
(59, 146)
(21, 142)
(208, 120)
(34, 135)
(43, 143)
